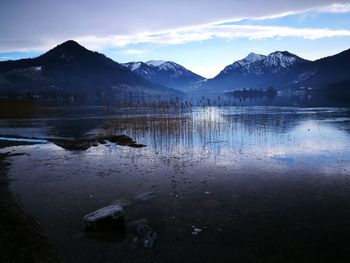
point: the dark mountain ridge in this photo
(72, 69)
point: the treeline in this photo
(253, 93)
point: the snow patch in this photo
(252, 57)
(135, 66)
(155, 63)
(132, 65)
(280, 59)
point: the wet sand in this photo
(20, 236)
(279, 217)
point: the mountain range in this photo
(166, 73)
(282, 70)
(71, 70)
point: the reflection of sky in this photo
(235, 136)
(255, 136)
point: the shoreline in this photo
(20, 236)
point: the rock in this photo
(121, 139)
(145, 235)
(74, 144)
(145, 196)
(137, 145)
(196, 230)
(105, 219)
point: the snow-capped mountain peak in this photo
(282, 59)
(252, 57)
(167, 73)
(166, 66)
(259, 64)
(245, 62)
(155, 63)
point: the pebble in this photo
(196, 230)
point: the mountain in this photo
(282, 70)
(167, 73)
(257, 71)
(70, 69)
(259, 65)
(327, 71)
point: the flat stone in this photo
(145, 196)
(105, 219)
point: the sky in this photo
(204, 36)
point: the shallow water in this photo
(263, 184)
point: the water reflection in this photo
(251, 131)
(264, 132)
(255, 173)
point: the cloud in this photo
(207, 32)
(41, 24)
(334, 8)
(5, 58)
(331, 8)
(133, 51)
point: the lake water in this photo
(263, 184)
